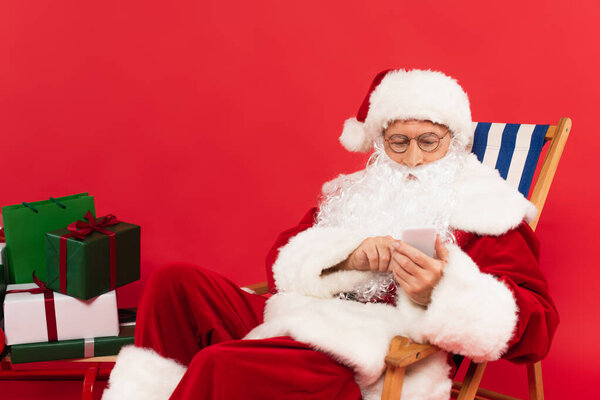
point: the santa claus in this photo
(344, 285)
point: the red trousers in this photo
(198, 317)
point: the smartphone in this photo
(421, 238)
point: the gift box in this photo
(34, 313)
(66, 349)
(78, 348)
(89, 258)
(25, 227)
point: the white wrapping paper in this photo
(25, 316)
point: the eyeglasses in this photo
(427, 142)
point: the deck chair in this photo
(514, 150)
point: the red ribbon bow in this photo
(48, 305)
(2, 237)
(81, 230)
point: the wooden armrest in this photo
(95, 359)
(404, 352)
(259, 288)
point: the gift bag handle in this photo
(31, 207)
(35, 210)
(58, 203)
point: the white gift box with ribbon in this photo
(25, 316)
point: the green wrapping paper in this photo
(66, 349)
(25, 227)
(88, 260)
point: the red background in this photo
(212, 124)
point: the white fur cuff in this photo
(471, 313)
(143, 374)
(300, 263)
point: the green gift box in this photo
(78, 348)
(67, 349)
(92, 265)
(25, 228)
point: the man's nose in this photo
(413, 156)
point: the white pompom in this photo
(354, 137)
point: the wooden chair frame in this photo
(403, 352)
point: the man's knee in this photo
(180, 281)
(170, 279)
(176, 273)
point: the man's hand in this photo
(373, 254)
(416, 273)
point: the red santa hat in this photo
(403, 95)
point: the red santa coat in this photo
(491, 302)
(512, 258)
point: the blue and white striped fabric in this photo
(513, 149)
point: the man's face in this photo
(413, 129)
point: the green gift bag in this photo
(25, 227)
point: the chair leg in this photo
(534, 376)
(392, 385)
(471, 382)
(88, 382)
(394, 376)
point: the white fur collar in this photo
(486, 204)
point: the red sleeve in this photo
(513, 258)
(307, 221)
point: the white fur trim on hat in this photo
(415, 94)
(422, 95)
(354, 137)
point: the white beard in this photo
(388, 197)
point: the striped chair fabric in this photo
(513, 149)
